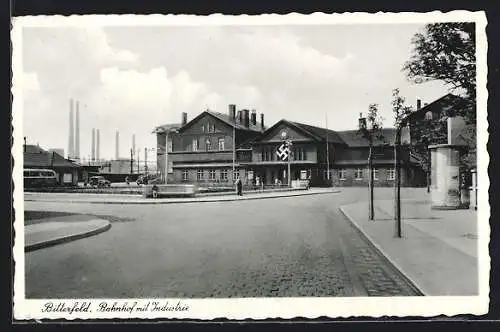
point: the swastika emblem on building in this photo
(283, 151)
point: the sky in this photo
(131, 79)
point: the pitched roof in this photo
(444, 103)
(225, 118)
(321, 133)
(353, 139)
(38, 157)
(167, 127)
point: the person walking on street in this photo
(239, 187)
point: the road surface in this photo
(281, 247)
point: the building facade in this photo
(201, 151)
(206, 149)
(37, 158)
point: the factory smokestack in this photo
(117, 152)
(71, 143)
(133, 144)
(77, 131)
(98, 145)
(92, 156)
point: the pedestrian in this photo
(239, 187)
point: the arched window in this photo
(428, 115)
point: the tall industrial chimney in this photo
(97, 145)
(117, 152)
(262, 121)
(133, 144)
(254, 117)
(92, 155)
(71, 144)
(77, 131)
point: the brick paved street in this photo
(297, 246)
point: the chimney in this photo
(254, 117)
(77, 131)
(117, 148)
(240, 117)
(361, 121)
(71, 143)
(262, 120)
(247, 118)
(232, 112)
(93, 146)
(419, 104)
(184, 118)
(98, 145)
(133, 144)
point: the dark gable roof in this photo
(38, 157)
(321, 133)
(166, 127)
(224, 118)
(445, 103)
(353, 139)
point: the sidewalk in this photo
(136, 199)
(51, 231)
(438, 251)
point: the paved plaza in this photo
(279, 247)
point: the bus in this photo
(39, 178)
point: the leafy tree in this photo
(446, 52)
(370, 128)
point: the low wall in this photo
(169, 190)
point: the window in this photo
(428, 115)
(391, 174)
(195, 144)
(202, 128)
(199, 174)
(211, 174)
(375, 173)
(299, 154)
(358, 174)
(208, 144)
(211, 127)
(184, 175)
(236, 174)
(342, 173)
(223, 174)
(221, 143)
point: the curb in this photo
(68, 238)
(207, 200)
(382, 253)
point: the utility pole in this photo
(138, 164)
(131, 161)
(289, 144)
(327, 153)
(146, 160)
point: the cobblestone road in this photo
(298, 246)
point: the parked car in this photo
(148, 179)
(99, 181)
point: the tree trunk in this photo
(371, 212)
(397, 182)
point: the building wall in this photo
(382, 176)
(192, 176)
